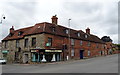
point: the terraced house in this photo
(46, 42)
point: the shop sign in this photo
(4, 51)
(34, 50)
(53, 50)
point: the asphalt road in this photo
(106, 64)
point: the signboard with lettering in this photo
(53, 50)
(4, 51)
(34, 50)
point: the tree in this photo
(106, 39)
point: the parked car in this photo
(3, 61)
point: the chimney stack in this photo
(54, 19)
(12, 30)
(88, 31)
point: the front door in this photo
(26, 58)
(81, 54)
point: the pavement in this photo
(104, 64)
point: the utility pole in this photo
(69, 39)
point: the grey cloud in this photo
(101, 17)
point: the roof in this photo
(47, 28)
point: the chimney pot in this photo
(12, 29)
(54, 19)
(88, 30)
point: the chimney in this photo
(88, 31)
(54, 19)
(12, 30)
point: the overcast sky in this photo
(101, 16)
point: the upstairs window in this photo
(26, 42)
(86, 36)
(78, 34)
(50, 41)
(17, 43)
(88, 44)
(81, 42)
(97, 46)
(33, 42)
(6, 44)
(66, 31)
(20, 33)
(53, 29)
(72, 42)
(11, 34)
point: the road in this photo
(104, 64)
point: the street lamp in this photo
(2, 17)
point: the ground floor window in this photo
(46, 57)
(72, 52)
(5, 55)
(89, 52)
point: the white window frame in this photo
(89, 52)
(72, 52)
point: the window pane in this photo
(17, 43)
(72, 52)
(72, 42)
(81, 42)
(26, 42)
(50, 41)
(33, 42)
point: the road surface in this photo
(104, 64)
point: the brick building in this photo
(46, 42)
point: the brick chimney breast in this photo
(88, 31)
(54, 19)
(12, 30)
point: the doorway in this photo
(26, 58)
(81, 54)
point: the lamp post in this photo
(69, 39)
(2, 17)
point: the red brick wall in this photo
(58, 41)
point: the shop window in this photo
(33, 42)
(26, 43)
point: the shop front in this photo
(5, 53)
(42, 55)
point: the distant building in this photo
(109, 44)
(46, 42)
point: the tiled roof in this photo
(48, 28)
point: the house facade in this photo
(47, 42)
